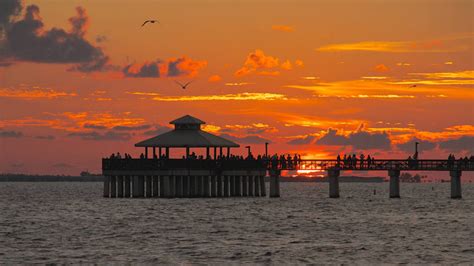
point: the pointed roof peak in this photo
(187, 119)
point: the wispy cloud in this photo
(244, 96)
(34, 93)
(433, 46)
(239, 83)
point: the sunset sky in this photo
(80, 80)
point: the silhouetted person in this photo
(362, 157)
(369, 162)
(142, 156)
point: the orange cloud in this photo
(381, 68)
(173, 67)
(266, 64)
(244, 96)
(34, 93)
(299, 63)
(286, 65)
(282, 28)
(214, 78)
(434, 46)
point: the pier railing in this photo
(307, 164)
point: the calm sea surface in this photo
(72, 223)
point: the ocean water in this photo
(73, 223)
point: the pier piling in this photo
(127, 192)
(394, 183)
(333, 176)
(251, 183)
(275, 183)
(113, 186)
(120, 186)
(148, 186)
(226, 186)
(263, 191)
(456, 192)
(106, 186)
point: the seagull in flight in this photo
(412, 86)
(183, 86)
(150, 21)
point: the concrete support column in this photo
(162, 186)
(172, 179)
(165, 186)
(127, 193)
(275, 183)
(226, 186)
(456, 192)
(148, 186)
(256, 180)
(113, 186)
(138, 186)
(106, 186)
(394, 183)
(179, 186)
(156, 189)
(245, 187)
(205, 183)
(263, 190)
(232, 185)
(192, 186)
(251, 184)
(333, 176)
(213, 186)
(185, 186)
(220, 192)
(199, 186)
(120, 186)
(238, 186)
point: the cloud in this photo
(299, 63)
(331, 138)
(440, 78)
(302, 140)
(10, 134)
(28, 40)
(34, 93)
(174, 67)
(238, 83)
(282, 28)
(214, 78)
(381, 68)
(184, 66)
(264, 65)
(145, 70)
(110, 135)
(250, 139)
(362, 140)
(157, 131)
(433, 46)
(131, 128)
(409, 146)
(48, 137)
(93, 126)
(464, 143)
(245, 96)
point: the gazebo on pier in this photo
(187, 134)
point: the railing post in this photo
(333, 177)
(456, 192)
(394, 183)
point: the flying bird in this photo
(412, 86)
(183, 86)
(150, 21)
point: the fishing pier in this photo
(220, 174)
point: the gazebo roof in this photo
(187, 119)
(183, 136)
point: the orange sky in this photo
(314, 77)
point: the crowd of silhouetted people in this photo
(282, 161)
(461, 162)
(352, 161)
